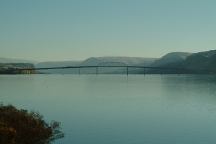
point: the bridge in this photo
(107, 65)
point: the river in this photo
(116, 109)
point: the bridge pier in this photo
(127, 71)
(144, 71)
(96, 70)
(26, 71)
(79, 71)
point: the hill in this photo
(203, 62)
(95, 61)
(171, 58)
(196, 63)
(12, 60)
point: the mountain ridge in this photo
(94, 61)
(200, 62)
(15, 60)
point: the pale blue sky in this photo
(77, 29)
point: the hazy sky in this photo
(77, 29)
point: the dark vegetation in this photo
(23, 127)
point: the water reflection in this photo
(153, 109)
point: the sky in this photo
(47, 30)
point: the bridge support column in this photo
(127, 71)
(144, 71)
(161, 72)
(96, 70)
(79, 71)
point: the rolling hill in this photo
(95, 61)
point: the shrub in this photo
(23, 127)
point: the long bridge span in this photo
(96, 67)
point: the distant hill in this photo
(94, 61)
(116, 61)
(123, 60)
(12, 60)
(58, 64)
(171, 58)
(204, 62)
(201, 62)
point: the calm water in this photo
(167, 109)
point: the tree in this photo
(23, 127)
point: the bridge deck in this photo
(75, 67)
